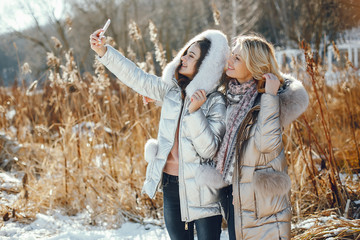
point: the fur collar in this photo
(293, 100)
(212, 67)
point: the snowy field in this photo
(56, 226)
(59, 227)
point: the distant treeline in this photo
(284, 22)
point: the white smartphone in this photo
(105, 28)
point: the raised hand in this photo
(98, 44)
(272, 83)
(197, 100)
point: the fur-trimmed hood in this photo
(212, 67)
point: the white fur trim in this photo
(151, 148)
(212, 67)
(271, 183)
(293, 101)
(206, 175)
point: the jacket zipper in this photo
(182, 191)
(237, 164)
(179, 125)
(179, 116)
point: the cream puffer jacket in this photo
(200, 132)
(261, 186)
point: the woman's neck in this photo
(241, 81)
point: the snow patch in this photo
(59, 227)
(10, 114)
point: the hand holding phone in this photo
(96, 42)
(104, 28)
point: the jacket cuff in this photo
(105, 60)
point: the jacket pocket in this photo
(271, 190)
(208, 196)
(207, 175)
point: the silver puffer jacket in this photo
(200, 132)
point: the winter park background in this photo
(72, 137)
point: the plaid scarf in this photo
(242, 96)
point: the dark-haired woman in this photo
(191, 127)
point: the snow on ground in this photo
(55, 226)
(309, 223)
(9, 184)
(59, 227)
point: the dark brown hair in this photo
(183, 81)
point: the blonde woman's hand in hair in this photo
(272, 83)
(98, 44)
(197, 100)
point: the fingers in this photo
(97, 32)
(197, 100)
(272, 83)
(199, 95)
(95, 35)
(95, 40)
(270, 76)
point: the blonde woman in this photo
(261, 101)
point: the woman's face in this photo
(237, 68)
(188, 61)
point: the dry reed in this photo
(216, 14)
(322, 145)
(79, 154)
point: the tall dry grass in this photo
(82, 144)
(322, 145)
(83, 135)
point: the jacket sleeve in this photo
(268, 135)
(127, 72)
(207, 131)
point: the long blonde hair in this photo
(259, 57)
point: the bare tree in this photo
(296, 20)
(42, 35)
(284, 22)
